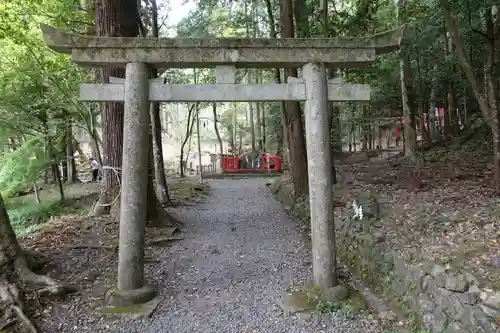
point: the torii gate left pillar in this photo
(136, 54)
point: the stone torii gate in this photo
(139, 55)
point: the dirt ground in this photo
(237, 253)
(444, 211)
(77, 244)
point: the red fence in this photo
(232, 164)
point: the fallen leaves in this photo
(443, 212)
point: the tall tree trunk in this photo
(258, 119)
(425, 137)
(36, 193)
(251, 111)
(92, 129)
(336, 130)
(264, 130)
(283, 134)
(251, 72)
(258, 79)
(448, 98)
(451, 94)
(189, 131)
(96, 150)
(279, 142)
(64, 157)
(284, 148)
(216, 129)
(240, 142)
(409, 133)
(15, 273)
(53, 158)
(296, 139)
(156, 215)
(159, 164)
(258, 126)
(333, 110)
(452, 111)
(232, 142)
(379, 137)
(491, 81)
(433, 128)
(233, 136)
(424, 134)
(70, 152)
(64, 168)
(113, 18)
(350, 141)
(364, 127)
(57, 176)
(301, 13)
(486, 94)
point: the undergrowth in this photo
(28, 216)
(470, 143)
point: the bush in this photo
(27, 216)
(20, 168)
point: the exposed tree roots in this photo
(161, 218)
(98, 209)
(17, 278)
(14, 283)
(157, 217)
(162, 241)
(35, 260)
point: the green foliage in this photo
(28, 216)
(327, 307)
(22, 166)
(38, 88)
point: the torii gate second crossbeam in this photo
(224, 90)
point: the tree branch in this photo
(482, 34)
(463, 60)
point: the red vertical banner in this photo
(441, 117)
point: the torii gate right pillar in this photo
(133, 203)
(319, 167)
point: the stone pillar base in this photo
(115, 297)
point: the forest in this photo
(433, 112)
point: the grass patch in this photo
(27, 216)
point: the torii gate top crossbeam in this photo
(343, 52)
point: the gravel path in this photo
(240, 253)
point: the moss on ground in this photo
(369, 262)
(27, 215)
